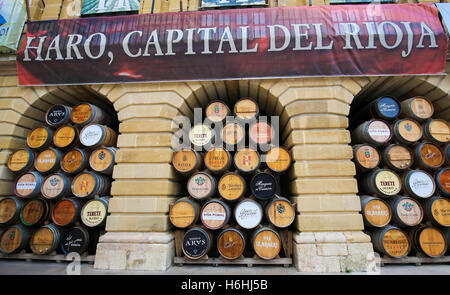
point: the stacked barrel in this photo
(62, 185)
(233, 205)
(402, 158)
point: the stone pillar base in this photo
(135, 251)
(332, 251)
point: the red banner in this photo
(348, 40)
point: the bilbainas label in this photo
(213, 216)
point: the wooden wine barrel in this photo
(366, 157)
(215, 214)
(376, 212)
(406, 212)
(429, 240)
(428, 155)
(197, 242)
(382, 182)
(48, 161)
(233, 134)
(446, 232)
(406, 131)
(46, 239)
(442, 179)
(447, 154)
(40, 137)
(417, 108)
(261, 132)
(35, 212)
(278, 159)
(437, 210)
(58, 115)
(102, 160)
(10, 210)
(386, 108)
(186, 161)
(218, 160)
(96, 135)
(217, 111)
(246, 109)
(201, 185)
(392, 241)
(76, 239)
(56, 186)
(86, 113)
(21, 160)
(28, 185)
(248, 213)
(418, 184)
(201, 136)
(437, 130)
(66, 137)
(88, 184)
(66, 212)
(247, 160)
(397, 157)
(95, 212)
(266, 242)
(184, 213)
(280, 212)
(74, 161)
(231, 243)
(231, 186)
(14, 239)
(373, 132)
(263, 185)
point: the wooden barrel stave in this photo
(40, 137)
(46, 239)
(77, 239)
(184, 213)
(95, 212)
(14, 239)
(201, 185)
(231, 243)
(22, 160)
(75, 160)
(247, 160)
(28, 185)
(58, 115)
(391, 241)
(35, 212)
(66, 212)
(231, 186)
(56, 186)
(48, 161)
(215, 214)
(266, 243)
(102, 160)
(280, 212)
(406, 211)
(376, 212)
(197, 242)
(10, 208)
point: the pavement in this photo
(21, 267)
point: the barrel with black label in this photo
(280, 212)
(184, 213)
(437, 131)
(428, 155)
(28, 185)
(231, 186)
(428, 240)
(266, 242)
(77, 239)
(94, 212)
(376, 212)
(248, 213)
(382, 182)
(418, 184)
(406, 211)
(397, 157)
(21, 160)
(261, 133)
(231, 243)
(89, 184)
(233, 134)
(366, 157)
(40, 137)
(406, 131)
(247, 160)
(391, 241)
(102, 160)
(10, 210)
(201, 136)
(14, 239)
(66, 137)
(437, 210)
(66, 212)
(442, 178)
(217, 111)
(74, 161)
(48, 161)
(46, 239)
(58, 115)
(278, 159)
(197, 242)
(201, 185)
(187, 161)
(215, 214)
(96, 135)
(35, 212)
(263, 185)
(417, 108)
(246, 109)
(86, 113)
(373, 132)
(218, 160)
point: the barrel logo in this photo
(216, 109)
(12, 235)
(84, 185)
(408, 127)
(54, 181)
(408, 206)
(367, 153)
(102, 155)
(246, 160)
(200, 180)
(281, 208)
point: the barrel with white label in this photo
(246, 109)
(74, 161)
(201, 185)
(56, 186)
(58, 114)
(428, 155)
(10, 210)
(417, 108)
(406, 211)
(373, 132)
(197, 242)
(40, 137)
(248, 213)
(233, 134)
(437, 130)
(217, 111)
(263, 185)
(187, 161)
(397, 157)
(28, 185)
(21, 160)
(428, 240)
(77, 239)
(184, 213)
(201, 136)
(102, 160)
(437, 210)
(442, 178)
(231, 243)
(247, 160)
(376, 212)
(261, 132)
(215, 214)
(382, 182)
(278, 159)
(418, 184)
(48, 160)
(96, 135)
(366, 157)
(14, 238)
(280, 212)
(392, 241)
(66, 137)
(266, 242)
(94, 212)
(35, 212)
(231, 186)
(406, 131)
(218, 160)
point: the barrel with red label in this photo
(246, 109)
(366, 157)
(261, 133)
(247, 160)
